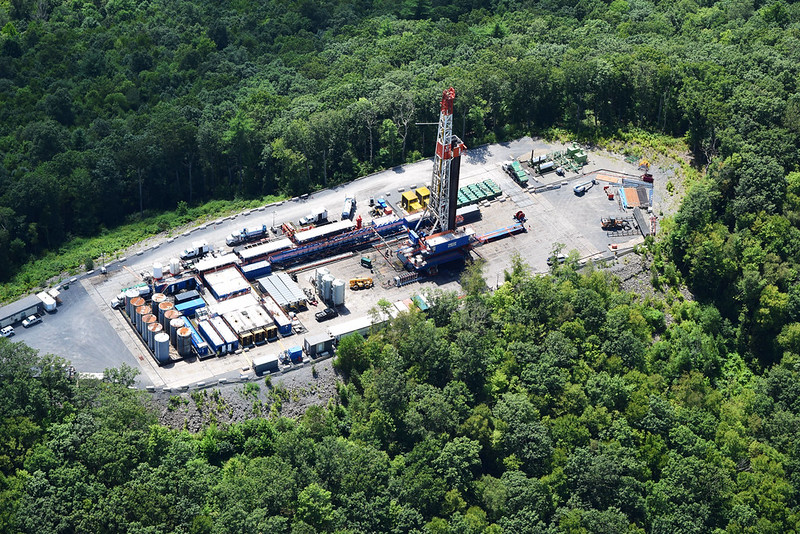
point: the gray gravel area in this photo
(79, 331)
(288, 395)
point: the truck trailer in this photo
(315, 217)
(247, 234)
(197, 250)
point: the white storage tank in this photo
(157, 299)
(184, 344)
(158, 271)
(174, 326)
(327, 282)
(161, 347)
(139, 313)
(337, 290)
(175, 266)
(321, 272)
(153, 329)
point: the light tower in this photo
(446, 169)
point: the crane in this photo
(446, 169)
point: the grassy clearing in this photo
(659, 149)
(74, 255)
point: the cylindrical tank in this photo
(136, 302)
(321, 272)
(184, 344)
(158, 271)
(161, 347)
(157, 299)
(147, 320)
(169, 315)
(152, 330)
(174, 326)
(163, 308)
(140, 311)
(337, 290)
(129, 296)
(175, 266)
(327, 282)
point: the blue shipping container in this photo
(188, 308)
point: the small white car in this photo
(31, 320)
(7, 331)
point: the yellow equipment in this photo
(361, 283)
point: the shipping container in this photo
(186, 296)
(469, 214)
(267, 363)
(190, 307)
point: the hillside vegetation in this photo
(556, 404)
(110, 109)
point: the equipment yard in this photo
(260, 306)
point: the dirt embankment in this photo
(287, 395)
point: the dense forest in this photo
(555, 404)
(115, 109)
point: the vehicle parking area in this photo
(86, 330)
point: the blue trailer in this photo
(214, 340)
(257, 270)
(284, 324)
(445, 241)
(227, 335)
(199, 344)
(190, 307)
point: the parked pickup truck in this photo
(326, 314)
(31, 320)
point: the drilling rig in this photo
(446, 169)
(444, 243)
